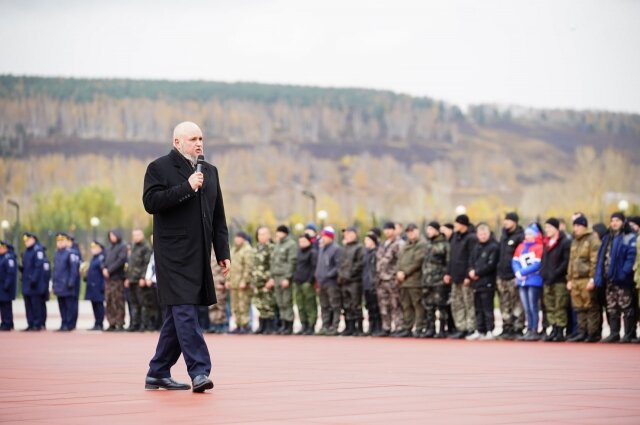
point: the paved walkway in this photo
(97, 378)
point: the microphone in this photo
(199, 165)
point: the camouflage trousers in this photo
(330, 306)
(284, 299)
(463, 307)
(114, 299)
(435, 298)
(265, 302)
(389, 302)
(511, 309)
(305, 295)
(143, 306)
(218, 311)
(588, 310)
(412, 308)
(556, 301)
(240, 305)
(352, 300)
(619, 302)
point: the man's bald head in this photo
(187, 139)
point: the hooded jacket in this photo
(527, 261)
(622, 258)
(116, 257)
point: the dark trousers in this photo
(68, 312)
(34, 309)
(98, 312)
(330, 303)
(352, 300)
(6, 315)
(371, 303)
(180, 334)
(483, 301)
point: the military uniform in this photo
(283, 265)
(462, 298)
(582, 269)
(241, 273)
(35, 285)
(8, 281)
(410, 263)
(330, 296)
(350, 283)
(511, 309)
(263, 298)
(435, 294)
(65, 272)
(304, 288)
(218, 320)
(136, 270)
(387, 290)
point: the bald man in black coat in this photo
(188, 219)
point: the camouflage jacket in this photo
(218, 277)
(410, 263)
(261, 266)
(138, 261)
(283, 259)
(387, 259)
(241, 258)
(584, 256)
(636, 267)
(351, 263)
(436, 258)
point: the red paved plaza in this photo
(89, 378)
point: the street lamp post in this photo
(312, 196)
(95, 222)
(623, 205)
(5, 226)
(322, 216)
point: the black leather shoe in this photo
(166, 383)
(201, 383)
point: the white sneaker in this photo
(474, 336)
(488, 336)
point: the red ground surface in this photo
(88, 378)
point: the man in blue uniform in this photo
(95, 285)
(8, 280)
(35, 287)
(65, 269)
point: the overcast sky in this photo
(581, 54)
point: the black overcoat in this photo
(185, 226)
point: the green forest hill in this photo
(365, 153)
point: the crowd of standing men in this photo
(441, 285)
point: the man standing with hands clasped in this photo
(183, 194)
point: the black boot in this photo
(357, 329)
(269, 327)
(442, 333)
(629, 328)
(552, 335)
(348, 328)
(260, 329)
(614, 334)
(559, 335)
(288, 328)
(311, 328)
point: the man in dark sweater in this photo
(555, 260)
(462, 303)
(510, 305)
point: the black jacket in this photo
(461, 246)
(555, 261)
(185, 226)
(116, 257)
(508, 244)
(369, 271)
(484, 260)
(351, 263)
(306, 265)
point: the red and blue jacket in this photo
(527, 261)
